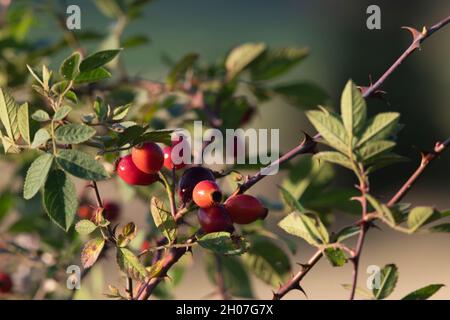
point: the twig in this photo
(418, 38)
(220, 280)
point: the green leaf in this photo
(130, 264)
(290, 200)
(60, 199)
(91, 252)
(93, 76)
(388, 280)
(423, 293)
(129, 232)
(37, 175)
(74, 133)
(40, 137)
(331, 129)
(98, 59)
(379, 127)
(267, 262)
(85, 227)
(71, 96)
(273, 63)
(23, 120)
(444, 227)
(336, 256)
(8, 114)
(81, 165)
(381, 209)
(223, 243)
(371, 150)
(236, 280)
(134, 41)
(346, 233)
(40, 116)
(121, 112)
(180, 68)
(163, 219)
(70, 67)
(61, 113)
(353, 109)
(240, 57)
(384, 161)
(160, 136)
(359, 291)
(307, 227)
(334, 157)
(302, 94)
(418, 216)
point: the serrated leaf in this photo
(85, 227)
(223, 243)
(236, 280)
(91, 251)
(130, 264)
(74, 133)
(163, 219)
(359, 291)
(93, 76)
(379, 127)
(290, 200)
(418, 216)
(334, 157)
(9, 146)
(335, 256)
(81, 165)
(273, 63)
(331, 129)
(40, 137)
(23, 120)
(373, 149)
(8, 114)
(353, 109)
(388, 280)
(423, 293)
(129, 232)
(307, 227)
(303, 94)
(60, 199)
(70, 67)
(40, 116)
(240, 57)
(37, 175)
(61, 113)
(267, 261)
(98, 59)
(181, 67)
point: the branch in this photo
(418, 38)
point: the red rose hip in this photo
(127, 170)
(207, 194)
(245, 209)
(168, 162)
(5, 283)
(215, 219)
(148, 157)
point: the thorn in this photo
(297, 286)
(307, 138)
(304, 266)
(276, 296)
(417, 36)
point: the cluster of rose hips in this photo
(197, 184)
(5, 283)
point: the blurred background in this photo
(341, 48)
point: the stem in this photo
(170, 195)
(130, 288)
(417, 40)
(220, 280)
